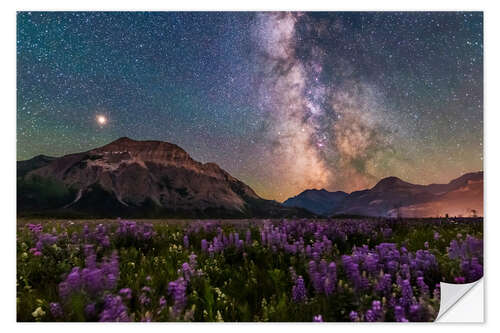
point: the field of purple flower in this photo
(257, 270)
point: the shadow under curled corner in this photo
(462, 302)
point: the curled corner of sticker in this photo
(461, 302)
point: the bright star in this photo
(101, 120)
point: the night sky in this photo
(282, 101)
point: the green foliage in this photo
(251, 286)
(36, 192)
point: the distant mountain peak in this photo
(392, 196)
(123, 139)
(126, 150)
(127, 140)
(43, 157)
(390, 182)
(23, 167)
(320, 202)
(314, 190)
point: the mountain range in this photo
(392, 197)
(129, 178)
(153, 179)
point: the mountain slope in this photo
(463, 198)
(320, 202)
(150, 179)
(23, 167)
(394, 197)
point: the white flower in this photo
(38, 313)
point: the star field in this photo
(282, 101)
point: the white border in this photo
(8, 133)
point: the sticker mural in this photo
(247, 166)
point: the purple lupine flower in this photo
(299, 290)
(144, 299)
(405, 271)
(424, 289)
(186, 241)
(45, 240)
(470, 254)
(472, 269)
(384, 285)
(90, 257)
(211, 250)
(353, 315)
(142, 232)
(162, 302)
(64, 290)
(322, 267)
(192, 260)
(424, 261)
(90, 310)
(126, 293)
(204, 245)
(315, 275)
(35, 252)
(114, 309)
(74, 238)
(399, 314)
(370, 316)
(86, 230)
(474, 246)
(92, 280)
(186, 271)
(35, 228)
(460, 280)
(377, 311)
(455, 250)
(417, 313)
(318, 319)
(331, 279)
(73, 279)
(177, 289)
(56, 310)
(370, 263)
(105, 242)
(352, 271)
(406, 293)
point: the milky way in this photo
(291, 114)
(327, 125)
(282, 101)
(321, 135)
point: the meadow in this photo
(248, 270)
